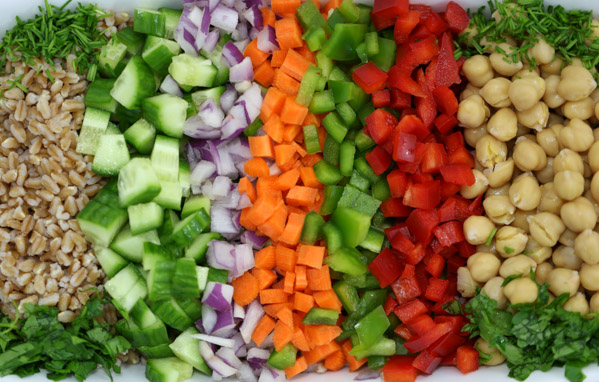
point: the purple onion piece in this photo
(224, 18)
(244, 71)
(170, 86)
(253, 315)
(201, 172)
(232, 127)
(241, 45)
(218, 296)
(212, 4)
(218, 341)
(228, 98)
(208, 318)
(246, 373)
(228, 355)
(211, 114)
(232, 54)
(211, 40)
(254, 17)
(221, 220)
(267, 40)
(367, 374)
(195, 127)
(244, 259)
(220, 255)
(250, 237)
(215, 363)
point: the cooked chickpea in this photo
(510, 241)
(503, 66)
(586, 246)
(502, 190)
(521, 219)
(568, 185)
(503, 125)
(490, 151)
(499, 209)
(536, 251)
(472, 112)
(546, 228)
(494, 290)
(483, 266)
(576, 83)
(525, 93)
(542, 272)
(577, 136)
(552, 68)
(466, 284)
(547, 139)
(595, 186)
(577, 303)
(546, 174)
(565, 257)
(479, 187)
(593, 156)
(500, 174)
(550, 201)
(568, 160)
(521, 291)
(579, 214)
(478, 70)
(528, 155)
(589, 277)
(473, 135)
(594, 303)
(583, 109)
(567, 238)
(534, 118)
(542, 52)
(485, 248)
(596, 110)
(477, 229)
(495, 92)
(551, 96)
(525, 192)
(468, 91)
(562, 280)
(483, 346)
(517, 265)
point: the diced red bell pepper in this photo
(410, 310)
(401, 228)
(400, 100)
(408, 271)
(435, 23)
(394, 208)
(401, 243)
(457, 323)
(421, 223)
(423, 195)
(435, 265)
(427, 361)
(412, 124)
(381, 98)
(426, 107)
(398, 183)
(419, 325)
(434, 159)
(447, 72)
(406, 288)
(461, 155)
(454, 141)
(398, 79)
(380, 124)
(467, 359)
(447, 211)
(399, 369)
(436, 288)
(475, 207)
(448, 189)
(421, 32)
(447, 344)
(404, 147)
(456, 17)
(420, 177)
(449, 233)
(450, 360)
(390, 305)
(466, 249)
(404, 25)
(390, 8)
(445, 123)
(460, 174)
(454, 262)
(415, 255)
(422, 51)
(446, 100)
(403, 332)
(386, 267)
(422, 8)
(379, 160)
(427, 339)
(369, 77)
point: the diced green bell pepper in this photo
(348, 295)
(331, 150)
(335, 18)
(337, 74)
(332, 194)
(363, 141)
(346, 260)
(343, 42)
(309, 16)
(361, 52)
(374, 241)
(342, 90)
(353, 225)
(324, 63)
(322, 102)
(334, 126)
(372, 326)
(315, 38)
(308, 85)
(376, 362)
(370, 299)
(359, 182)
(347, 114)
(327, 173)
(347, 151)
(350, 11)
(312, 230)
(320, 316)
(361, 164)
(332, 237)
(380, 190)
(385, 347)
(365, 281)
(385, 58)
(285, 358)
(372, 43)
(311, 139)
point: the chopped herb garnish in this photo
(508, 250)
(510, 278)
(490, 238)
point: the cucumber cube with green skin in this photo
(185, 178)
(145, 217)
(98, 95)
(160, 280)
(141, 135)
(138, 182)
(195, 203)
(199, 246)
(159, 52)
(100, 223)
(192, 70)
(166, 112)
(153, 352)
(94, 126)
(186, 348)
(134, 84)
(123, 282)
(192, 307)
(149, 21)
(169, 369)
(186, 285)
(170, 312)
(165, 158)
(110, 57)
(133, 40)
(153, 253)
(171, 20)
(170, 195)
(110, 261)
(131, 246)
(200, 96)
(165, 232)
(111, 155)
(187, 229)
(127, 302)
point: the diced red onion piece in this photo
(228, 343)
(253, 101)
(211, 40)
(244, 259)
(242, 44)
(244, 202)
(239, 347)
(274, 170)
(270, 375)
(195, 127)
(192, 155)
(231, 54)
(246, 373)
(254, 17)
(195, 16)
(208, 318)
(225, 324)
(186, 39)
(257, 357)
(220, 255)
(221, 187)
(241, 32)
(221, 220)
(367, 374)
(228, 98)
(228, 3)
(239, 110)
(232, 127)
(253, 33)
(244, 71)
(207, 189)
(215, 363)
(253, 315)
(267, 40)
(228, 355)
(202, 171)
(251, 238)
(211, 114)
(218, 296)
(239, 149)
(242, 86)
(224, 18)
(170, 86)
(212, 4)
(268, 342)
(229, 202)
(238, 311)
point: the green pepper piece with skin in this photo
(384, 347)
(332, 194)
(372, 326)
(348, 295)
(342, 90)
(347, 152)
(284, 358)
(370, 299)
(308, 85)
(346, 260)
(322, 102)
(320, 316)
(335, 126)
(332, 237)
(353, 225)
(309, 16)
(343, 42)
(385, 58)
(312, 230)
(327, 173)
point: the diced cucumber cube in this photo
(141, 136)
(144, 217)
(110, 261)
(100, 223)
(171, 18)
(165, 158)
(134, 84)
(149, 21)
(138, 182)
(202, 95)
(159, 52)
(192, 71)
(171, 314)
(170, 195)
(94, 126)
(110, 57)
(186, 348)
(187, 229)
(195, 203)
(169, 369)
(133, 40)
(167, 113)
(123, 282)
(111, 155)
(98, 95)
(131, 246)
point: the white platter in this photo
(28, 8)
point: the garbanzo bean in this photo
(548, 140)
(468, 91)
(496, 357)
(568, 160)
(568, 185)
(525, 93)
(534, 118)
(525, 192)
(484, 248)
(595, 186)
(500, 174)
(565, 257)
(466, 284)
(552, 68)
(494, 290)
(520, 291)
(546, 228)
(499, 209)
(528, 155)
(586, 246)
(490, 151)
(546, 174)
(503, 190)
(576, 83)
(593, 156)
(520, 264)
(583, 109)
(510, 241)
(594, 303)
(551, 96)
(577, 303)
(542, 52)
(542, 272)
(521, 219)
(472, 112)
(478, 70)
(577, 136)
(473, 135)
(562, 280)
(483, 266)
(579, 214)
(481, 183)
(503, 66)
(550, 201)
(589, 277)
(477, 229)
(567, 238)
(503, 125)
(536, 251)
(495, 92)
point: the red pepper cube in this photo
(401, 243)
(447, 211)
(455, 262)
(404, 147)
(412, 124)
(448, 190)
(456, 17)
(390, 8)
(398, 229)
(426, 107)
(461, 156)
(454, 141)
(421, 223)
(381, 98)
(447, 344)
(435, 291)
(423, 51)
(369, 77)
(449, 233)
(446, 100)
(399, 369)
(400, 100)
(398, 183)
(421, 324)
(386, 267)
(460, 174)
(427, 361)
(467, 359)
(390, 305)
(457, 323)
(423, 195)
(434, 158)
(450, 360)
(447, 72)
(435, 265)
(435, 23)
(398, 79)
(379, 160)
(380, 124)
(415, 255)
(410, 310)
(444, 123)
(427, 339)
(394, 208)
(420, 177)
(404, 25)
(421, 32)
(403, 332)
(406, 289)
(466, 249)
